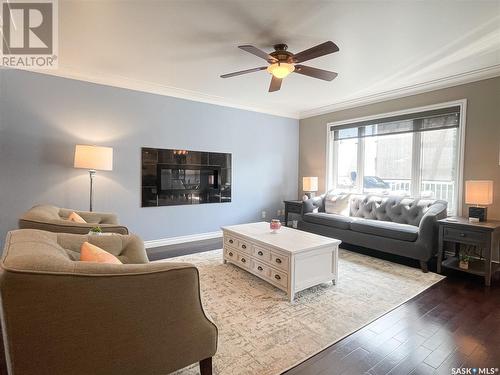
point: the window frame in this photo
(332, 150)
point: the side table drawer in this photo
(294, 208)
(458, 235)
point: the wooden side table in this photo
(294, 207)
(485, 235)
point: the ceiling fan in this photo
(282, 63)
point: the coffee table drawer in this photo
(280, 261)
(244, 261)
(245, 246)
(230, 254)
(261, 253)
(261, 269)
(279, 278)
(231, 241)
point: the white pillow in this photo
(337, 203)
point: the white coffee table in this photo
(291, 260)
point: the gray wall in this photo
(43, 117)
(482, 139)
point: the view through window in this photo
(409, 155)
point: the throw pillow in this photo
(337, 203)
(76, 218)
(93, 253)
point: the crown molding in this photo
(419, 88)
(155, 88)
(159, 89)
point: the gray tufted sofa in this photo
(396, 225)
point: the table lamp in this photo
(309, 186)
(479, 194)
(93, 158)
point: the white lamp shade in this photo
(94, 157)
(310, 183)
(479, 192)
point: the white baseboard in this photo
(182, 239)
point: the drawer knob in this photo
(243, 260)
(230, 254)
(462, 234)
(231, 241)
(277, 277)
(260, 268)
(243, 246)
(260, 253)
(278, 260)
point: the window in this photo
(411, 154)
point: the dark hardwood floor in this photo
(453, 324)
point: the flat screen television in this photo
(179, 177)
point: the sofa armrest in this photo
(67, 226)
(99, 218)
(315, 204)
(105, 319)
(428, 228)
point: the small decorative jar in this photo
(275, 225)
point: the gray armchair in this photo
(62, 316)
(55, 219)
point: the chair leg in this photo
(206, 366)
(424, 266)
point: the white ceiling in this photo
(180, 48)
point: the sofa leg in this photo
(424, 266)
(206, 366)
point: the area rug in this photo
(261, 333)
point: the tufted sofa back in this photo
(400, 210)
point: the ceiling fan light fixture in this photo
(280, 70)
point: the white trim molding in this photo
(159, 89)
(419, 88)
(182, 239)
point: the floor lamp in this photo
(93, 158)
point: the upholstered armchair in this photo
(62, 316)
(55, 219)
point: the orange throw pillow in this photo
(76, 218)
(93, 253)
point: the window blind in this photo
(442, 118)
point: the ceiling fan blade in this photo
(275, 84)
(317, 51)
(258, 52)
(243, 72)
(325, 75)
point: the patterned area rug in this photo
(261, 333)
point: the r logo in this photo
(28, 28)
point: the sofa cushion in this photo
(400, 210)
(403, 232)
(330, 220)
(337, 203)
(93, 253)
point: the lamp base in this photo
(480, 213)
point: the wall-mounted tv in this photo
(179, 177)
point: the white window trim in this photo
(462, 103)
